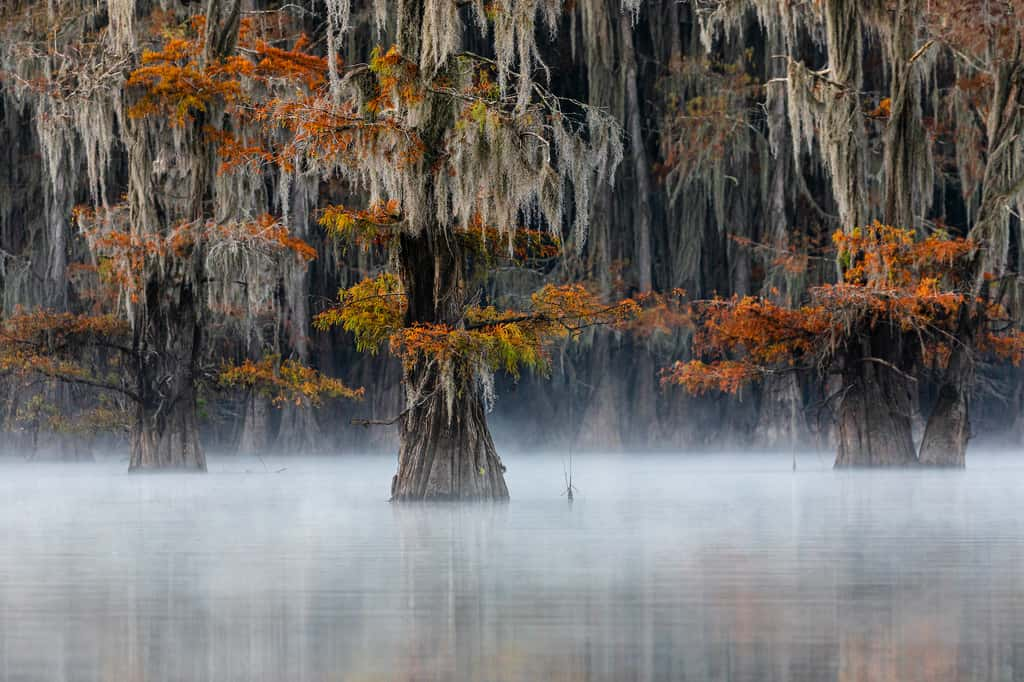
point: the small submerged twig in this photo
(266, 469)
(567, 474)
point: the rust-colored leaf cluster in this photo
(61, 345)
(286, 381)
(890, 277)
(180, 82)
(881, 256)
(522, 245)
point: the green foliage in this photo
(371, 311)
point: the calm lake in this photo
(664, 568)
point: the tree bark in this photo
(166, 436)
(874, 416)
(600, 425)
(949, 429)
(845, 151)
(255, 425)
(299, 432)
(446, 451)
(168, 339)
(949, 425)
(906, 141)
(638, 154)
(781, 421)
(167, 323)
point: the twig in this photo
(891, 366)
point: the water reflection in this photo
(663, 569)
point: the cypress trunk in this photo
(168, 341)
(949, 427)
(781, 421)
(446, 451)
(874, 416)
(638, 154)
(948, 430)
(166, 436)
(255, 425)
(299, 432)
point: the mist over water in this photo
(666, 567)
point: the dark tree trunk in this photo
(168, 341)
(874, 415)
(905, 136)
(299, 432)
(949, 426)
(167, 323)
(781, 421)
(948, 430)
(255, 425)
(446, 451)
(166, 436)
(638, 154)
(600, 426)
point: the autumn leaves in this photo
(917, 286)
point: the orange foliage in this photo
(889, 278)
(975, 27)
(54, 344)
(291, 66)
(880, 256)
(265, 232)
(727, 376)
(396, 80)
(1007, 346)
(36, 414)
(371, 311)
(659, 313)
(883, 110)
(286, 381)
(521, 245)
(340, 133)
(377, 226)
(177, 84)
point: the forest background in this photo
(733, 180)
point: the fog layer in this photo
(663, 568)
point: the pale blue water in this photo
(664, 568)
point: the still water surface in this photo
(664, 568)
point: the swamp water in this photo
(664, 568)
